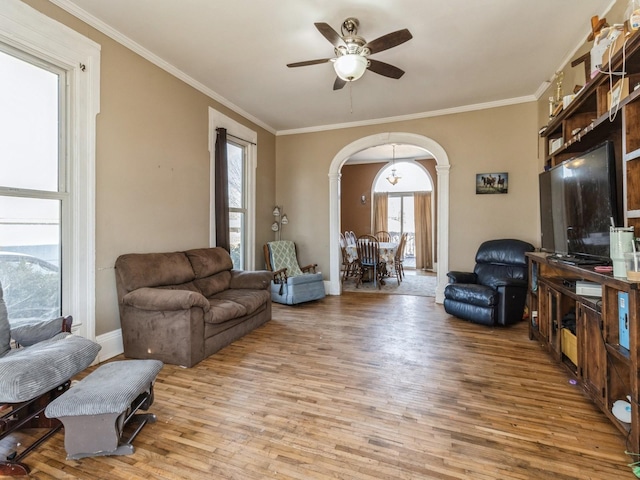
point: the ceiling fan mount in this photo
(352, 52)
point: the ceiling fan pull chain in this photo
(350, 99)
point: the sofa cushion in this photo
(209, 261)
(252, 300)
(137, 270)
(224, 310)
(259, 280)
(164, 299)
(213, 284)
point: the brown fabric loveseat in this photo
(181, 307)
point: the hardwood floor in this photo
(364, 387)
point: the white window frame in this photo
(249, 138)
(25, 29)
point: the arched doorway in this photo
(399, 204)
(442, 170)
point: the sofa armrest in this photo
(164, 299)
(462, 277)
(256, 280)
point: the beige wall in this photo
(152, 164)
(492, 140)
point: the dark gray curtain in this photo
(222, 190)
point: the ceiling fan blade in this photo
(308, 62)
(330, 34)
(389, 40)
(384, 69)
(339, 83)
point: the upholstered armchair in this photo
(495, 292)
(291, 284)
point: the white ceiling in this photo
(464, 54)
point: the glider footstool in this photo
(95, 411)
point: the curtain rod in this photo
(239, 138)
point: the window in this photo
(241, 167)
(49, 92)
(31, 188)
(236, 166)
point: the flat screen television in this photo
(578, 204)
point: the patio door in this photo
(401, 220)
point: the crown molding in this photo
(413, 116)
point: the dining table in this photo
(387, 253)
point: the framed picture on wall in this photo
(492, 183)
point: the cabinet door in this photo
(591, 352)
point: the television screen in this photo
(582, 203)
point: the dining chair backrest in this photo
(368, 248)
(350, 237)
(383, 236)
(401, 245)
(343, 241)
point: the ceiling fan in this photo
(352, 52)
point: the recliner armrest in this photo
(164, 299)
(462, 277)
(511, 282)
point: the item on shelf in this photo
(620, 242)
(622, 410)
(633, 14)
(588, 289)
(601, 44)
(569, 345)
(620, 36)
(618, 92)
(555, 144)
(623, 319)
(632, 266)
(567, 99)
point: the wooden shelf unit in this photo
(606, 370)
(589, 113)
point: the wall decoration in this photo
(492, 183)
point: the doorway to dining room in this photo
(406, 206)
(337, 196)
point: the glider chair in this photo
(291, 283)
(33, 372)
(495, 292)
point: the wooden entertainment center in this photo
(594, 356)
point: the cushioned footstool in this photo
(95, 411)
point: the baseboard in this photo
(111, 344)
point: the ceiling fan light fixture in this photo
(350, 67)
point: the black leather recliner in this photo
(495, 293)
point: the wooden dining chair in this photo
(368, 248)
(350, 237)
(398, 261)
(383, 236)
(348, 267)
